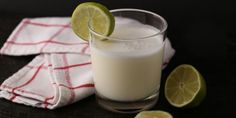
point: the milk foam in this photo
(130, 32)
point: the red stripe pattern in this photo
(88, 85)
(44, 42)
(14, 37)
(67, 75)
(80, 86)
(52, 37)
(84, 49)
(22, 91)
(72, 66)
(46, 103)
(28, 82)
(46, 25)
(13, 97)
(35, 67)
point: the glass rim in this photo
(139, 38)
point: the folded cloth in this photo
(50, 81)
(61, 72)
(43, 35)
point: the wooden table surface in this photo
(203, 34)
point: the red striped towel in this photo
(60, 74)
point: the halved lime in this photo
(101, 19)
(185, 87)
(154, 114)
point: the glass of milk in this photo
(127, 64)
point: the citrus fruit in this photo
(154, 114)
(185, 87)
(99, 17)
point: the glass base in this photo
(127, 107)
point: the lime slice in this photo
(185, 87)
(154, 114)
(102, 20)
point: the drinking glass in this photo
(127, 64)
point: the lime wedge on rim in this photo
(185, 87)
(154, 114)
(102, 20)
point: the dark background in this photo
(203, 32)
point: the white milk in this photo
(128, 70)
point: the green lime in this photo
(185, 87)
(154, 114)
(102, 21)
